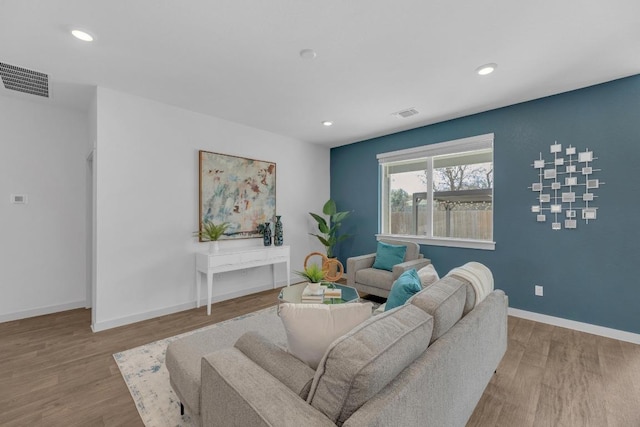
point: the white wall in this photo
(147, 204)
(43, 153)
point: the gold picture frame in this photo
(237, 190)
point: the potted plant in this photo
(328, 229)
(314, 275)
(210, 232)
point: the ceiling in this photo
(240, 59)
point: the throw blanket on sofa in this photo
(478, 275)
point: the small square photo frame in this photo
(570, 151)
(572, 180)
(549, 174)
(568, 197)
(570, 213)
(559, 162)
(587, 170)
(589, 213)
(538, 164)
(570, 168)
(555, 185)
(593, 183)
(570, 223)
(556, 226)
(535, 208)
(541, 218)
(556, 208)
(556, 148)
(585, 156)
(545, 198)
(587, 197)
(536, 186)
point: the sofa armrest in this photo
(238, 392)
(286, 368)
(419, 263)
(358, 263)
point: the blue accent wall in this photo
(590, 274)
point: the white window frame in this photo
(427, 152)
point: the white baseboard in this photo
(122, 321)
(41, 311)
(577, 326)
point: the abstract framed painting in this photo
(236, 190)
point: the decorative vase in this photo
(277, 234)
(266, 235)
(213, 246)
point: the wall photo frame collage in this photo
(566, 187)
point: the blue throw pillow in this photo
(407, 285)
(389, 255)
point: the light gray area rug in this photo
(146, 375)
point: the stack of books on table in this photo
(332, 292)
(313, 296)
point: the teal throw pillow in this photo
(407, 285)
(389, 255)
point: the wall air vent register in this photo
(24, 80)
(404, 114)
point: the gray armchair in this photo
(362, 276)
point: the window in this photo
(440, 194)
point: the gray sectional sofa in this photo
(425, 363)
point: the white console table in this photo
(237, 259)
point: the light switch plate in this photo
(19, 199)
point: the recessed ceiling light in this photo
(327, 123)
(308, 54)
(82, 35)
(485, 69)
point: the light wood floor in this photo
(553, 376)
(55, 372)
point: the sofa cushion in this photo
(407, 285)
(362, 362)
(428, 275)
(381, 279)
(389, 255)
(471, 294)
(311, 328)
(444, 300)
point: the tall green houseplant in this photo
(328, 229)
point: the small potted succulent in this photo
(314, 274)
(210, 232)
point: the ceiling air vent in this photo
(406, 113)
(24, 80)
